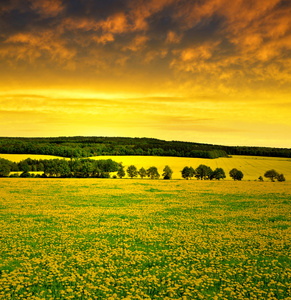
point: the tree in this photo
(63, 168)
(272, 174)
(261, 178)
(96, 172)
(132, 171)
(25, 174)
(153, 173)
(186, 173)
(203, 172)
(218, 173)
(5, 167)
(167, 172)
(87, 168)
(25, 167)
(236, 174)
(51, 167)
(191, 172)
(281, 177)
(120, 172)
(142, 172)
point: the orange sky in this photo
(213, 71)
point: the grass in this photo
(122, 239)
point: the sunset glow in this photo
(213, 71)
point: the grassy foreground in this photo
(144, 239)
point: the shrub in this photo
(104, 175)
(25, 174)
(14, 175)
(281, 178)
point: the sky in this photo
(208, 71)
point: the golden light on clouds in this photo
(212, 71)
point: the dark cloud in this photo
(217, 38)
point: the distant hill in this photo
(80, 146)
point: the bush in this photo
(25, 174)
(281, 178)
(104, 175)
(14, 175)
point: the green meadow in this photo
(144, 239)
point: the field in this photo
(144, 239)
(20, 157)
(251, 166)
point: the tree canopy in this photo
(272, 174)
(132, 171)
(167, 172)
(218, 174)
(121, 172)
(203, 172)
(153, 173)
(236, 174)
(188, 172)
(142, 172)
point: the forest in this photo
(72, 147)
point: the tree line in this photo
(84, 168)
(79, 168)
(204, 172)
(95, 146)
(151, 172)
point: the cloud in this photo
(141, 11)
(230, 43)
(31, 46)
(47, 8)
(137, 43)
(104, 38)
(173, 37)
